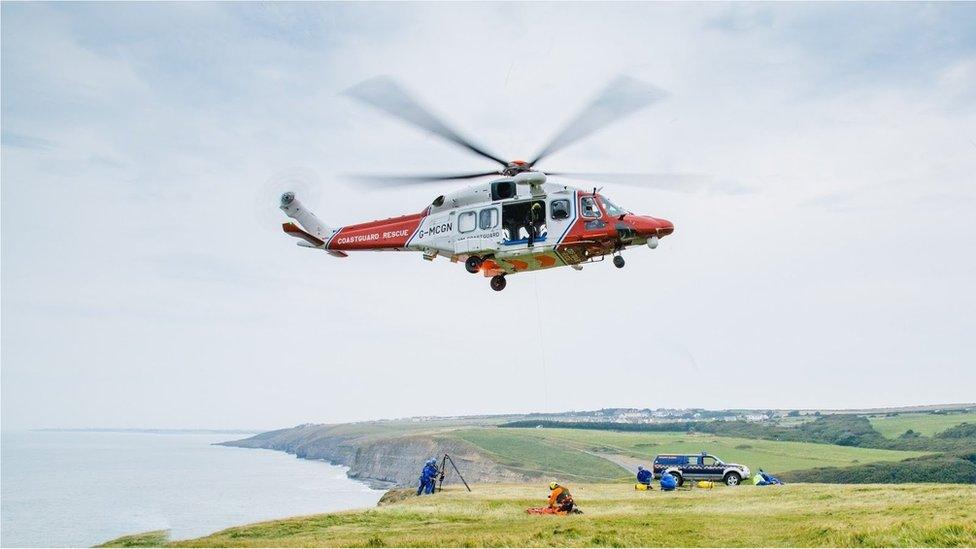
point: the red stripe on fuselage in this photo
(382, 234)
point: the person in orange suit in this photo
(560, 500)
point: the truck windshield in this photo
(611, 208)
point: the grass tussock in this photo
(156, 538)
(795, 515)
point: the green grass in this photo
(523, 450)
(560, 450)
(922, 423)
(156, 538)
(615, 515)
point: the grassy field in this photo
(800, 515)
(570, 450)
(925, 424)
(523, 450)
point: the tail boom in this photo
(384, 234)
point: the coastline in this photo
(387, 456)
(136, 482)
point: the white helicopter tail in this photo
(312, 231)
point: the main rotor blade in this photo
(404, 180)
(383, 93)
(681, 182)
(623, 96)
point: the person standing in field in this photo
(427, 477)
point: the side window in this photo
(560, 209)
(590, 209)
(708, 460)
(467, 222)
(488, 218)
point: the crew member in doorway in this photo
(428, 477)
(533, 219)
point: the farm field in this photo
(524, 450)
(615, 515)
(571, 450)
(922, 423)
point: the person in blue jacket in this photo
(644, 476)
(428, 477)
(668, 482)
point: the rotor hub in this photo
(516, 167)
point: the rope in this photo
(542, 352)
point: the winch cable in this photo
(542, 354)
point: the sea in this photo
(81, 488)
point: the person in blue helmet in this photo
(428, 477)
(668, 482)
(644, 476)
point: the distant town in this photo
(664, 415)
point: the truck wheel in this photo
(678, 479)
(498, 283)
(472, 264)
(733, 479)
(618, 261)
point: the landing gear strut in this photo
(498, 283)
(473, 264)
(618, 261)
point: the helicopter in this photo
(519, 221)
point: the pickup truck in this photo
(701, 466)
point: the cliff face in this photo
(383, 459)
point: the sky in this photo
(146, 283)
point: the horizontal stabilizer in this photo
(294, 230)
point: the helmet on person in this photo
(640, 467)
(431, 461)
(553, 485)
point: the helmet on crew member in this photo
(553, 485)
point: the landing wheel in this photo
(618, 261)
(473, 264)
(498, 283)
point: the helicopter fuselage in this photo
(508, 226)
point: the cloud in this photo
(137, 139)
(25, 141)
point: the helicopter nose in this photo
(664, 227)
(648, 226)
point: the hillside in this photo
(387, 453)
(616, 515)
(392, 453)
(775, 456)
(894, 425)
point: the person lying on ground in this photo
(763, 478)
